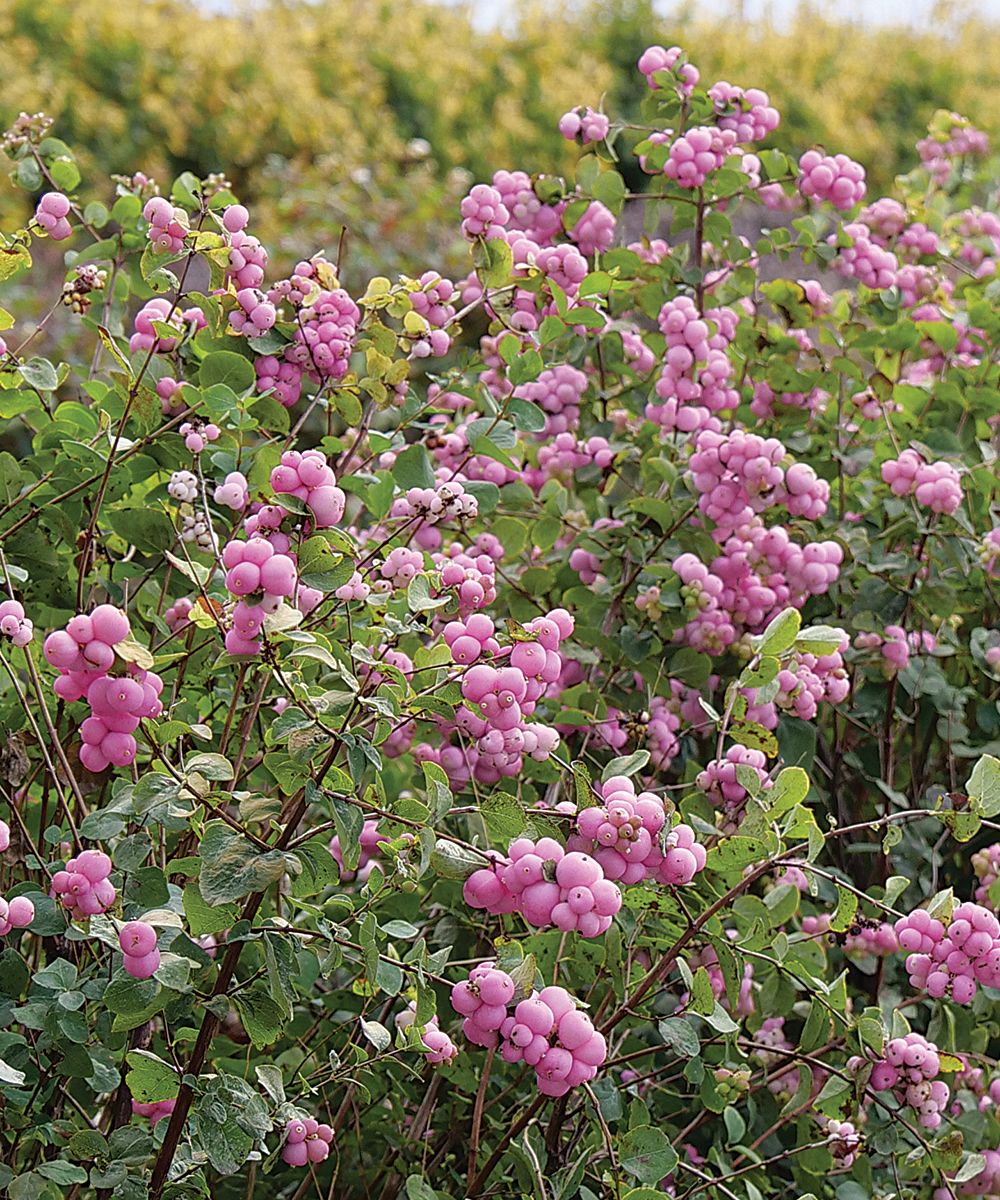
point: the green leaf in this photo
(209, 766)
(702, 996)
(233, 867)
(10, 478)
(647, 1154)
(226, 367)
(231, 1117)
(148, 529)
(149, 1078)
(780, 634)
(412, 468)
(609, 188)
(528, 417)
(202, 918)
(261, 1016)
(790, 788)
(847, 907)
(40, 374)
(680, 1036)
(984, 787)
(628, 765)
(62, 1172)
(377, 1034)
(503, 815)
(526, 368)
(487, 494)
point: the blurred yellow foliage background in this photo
(312, 109)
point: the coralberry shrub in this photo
(534, 733)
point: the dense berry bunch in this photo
(875, 939)
(584, 125)
(469, 639)
(864, 260)
(16, 913)
(145, 337)
(910, 1068)
(558, 391)
(656, 58)
(183, 486)
(834, 178)
(548, 1032)
(937, 486)
(439, 1046)
(168, 226)
(255, 571)
(986, 864)
(696, 153)
(446, 502)
(309, 477)
(484, 213)
(138, 944)
(624, 836)
(482, 1000)
(306, 1142)
(573, 895)
(748, 114)
(14, 624)
(83, 653)
(233, 492)
(197, 432)
(954, 958)
(51, 213)
(720, 783)
(595, 230)
(83, 885)
(528, 214)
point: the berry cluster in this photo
(696, 369)
(306, 1142)
(910, 1068)
(145, 337)
(954, 958)
(183, 486)
(234, 492)
(986, 864)
(656, 58)
(834, 178)
(255, 571)
(51, 213)
(696, 153)
(446, 502)
(749, 114)
(84, 886)
(16, 913)
(439, 1046)
(84, 653)
(469, 639)
(584, 125)
(937, 486)
(138, 944)
(546, 1030)
(196, 433)
(575, 895)
(310, 478)
(719, 782)
(168, 226)
(557, 391)
(626, 830)
(864, 260)
(14, 624)
(484, 213)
